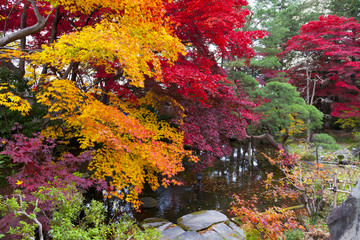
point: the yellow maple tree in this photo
(132, 146)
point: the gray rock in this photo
(171, 233)
(211, 234)
(355, 151)
(225, 231)
(165, 226)
(344, 151)
(344, 221)
(148, 202)
(201, 220)
(190, 235)
(239, 232)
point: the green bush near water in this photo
(65, 222)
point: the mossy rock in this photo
(148, 202)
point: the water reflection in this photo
(236, 173)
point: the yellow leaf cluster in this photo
(12, 101)
(9, 54)
(296, 125)
(134, 38)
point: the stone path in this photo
(202, 225)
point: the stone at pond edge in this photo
(212, 235)
(201, 220)
(153, 222)
(148, 202)
(239, 232)
(344, 220)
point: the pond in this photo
(233, 174)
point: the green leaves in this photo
(325, 140)
(286, 112)
(65, 223)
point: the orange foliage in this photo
(135, 146)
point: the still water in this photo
(233, 174)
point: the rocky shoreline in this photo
(208, 224)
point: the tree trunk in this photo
(269, 138)
(249, 152)
(41, 22)
(23, 19)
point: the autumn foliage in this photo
(332, 51)
(269, 224)
(306, 185)
(136, 83)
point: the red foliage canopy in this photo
(214, 113)
(332, 47)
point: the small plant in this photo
(270, 224)
(6, 166)
(324, 141)
(294, 234)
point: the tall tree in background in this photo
(282, 19)
(345, 8)
(213, 112)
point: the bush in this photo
(294, 234)
(65, 222)
(308, 157)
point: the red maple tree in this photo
(329, 52)
(211, 30)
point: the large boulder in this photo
(201, 220)
(344, 220)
